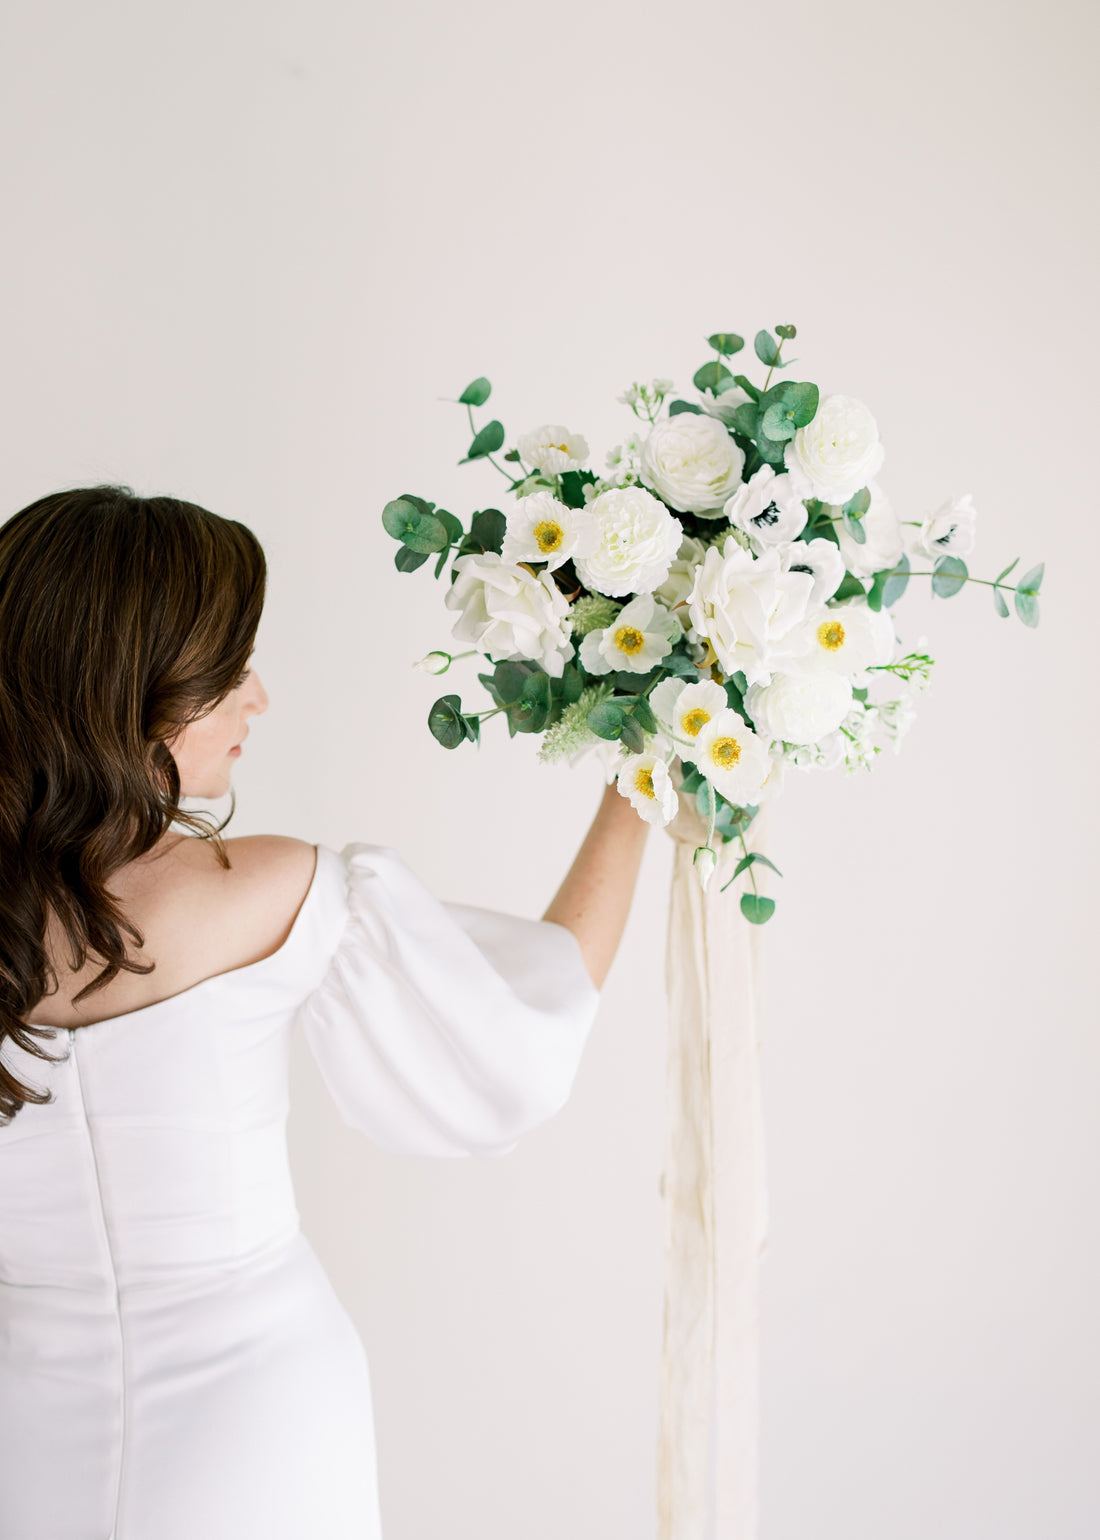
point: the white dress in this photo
(174, 1362)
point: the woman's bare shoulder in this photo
(263, 888)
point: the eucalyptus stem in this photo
(771, 369)
(986, 582)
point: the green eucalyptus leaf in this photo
(677, 408)
(896, 583)
(710, 376)
(1001, 576)
(754, 857)
(766, 348)
(874, 593)
(1027, 607)
(445, 721)
(726, 343)
(573, 484)
(757, 908)
(632, 735)
(770, 449)
(472, 728)
(778, 423)
(572, 683)
(747, 386)
(485, 442)
(746, 418)
(850, 588)
(788, 333)
(530, 712)
(408, 561)
(420, 531)
(855, 528)
(452, 525)
(442, 562)
(1030, 582)
(510, 678)
(642, 712)
(606, 720)
(704, 799)
(476, 393)
(487, 529)
(692, 780)
(489, 681)
(949, 576)
(858, 505)
(999, 604)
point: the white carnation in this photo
(799, 708)
(950, 531)
(637, 540)
(839, 451)
(768, 507)
(552, 449)
(884, 545)
(540, 528)
(509, 613)
(748, 608)
(692, 463)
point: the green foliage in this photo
(757, 908)
(476, 393)
(573, 484)
(1031, 581)
(747, 386)
(445, 721)
(726, 343)
(413, 523)
(896, 584)
(711, 376)
(606, 720)
(592, 612)
(788, 333)
(949, 576)
(1027, 595)
(851, 588)
(408, 561)
(767, 350)
(531, 712)
(485, 442)
(753, 858)
(487, 529)
(677, 408)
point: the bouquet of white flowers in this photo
(715, 607)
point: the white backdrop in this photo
(248, 250)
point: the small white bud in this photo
(433, 663)
(705, 862)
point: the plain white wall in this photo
(248, 248)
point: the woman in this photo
(173, 1359)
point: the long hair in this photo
(122, 618)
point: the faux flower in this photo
(723, 406)
(687, 708)
(692, 463)
(676, 588)
(768, 507)
(799, 708)
(704, 860)
(950, 531)
(747, 608)
(507, 612)
(641, 634)
(552, 449)
(433, 663)
(734, 760)
(883, 547)
(636, 541)
(843, 639)
(540, 528)
(645, 782)
(820, 559)
(838, 452)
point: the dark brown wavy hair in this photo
(122, 618)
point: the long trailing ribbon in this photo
(715, 1201)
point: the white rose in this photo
(540, 528)
(552, 449)
(884, 545)
(725, 405)
(839, 451)
(950, 531)
(799, 708)
(509, 613)
(820, 559)
(645, 782)
(748, 608)
(692, 463)
(637, 539)
(768, 507)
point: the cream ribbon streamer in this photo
(715, 1199)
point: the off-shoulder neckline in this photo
(226, 975)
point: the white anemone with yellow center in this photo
(685, 709)
(842, 639)
(642, 633)
(644, 780)
(552, 449)
(734, 760)
(541, 528)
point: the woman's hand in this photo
(594, 900)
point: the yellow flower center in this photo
(830, 633)
(725, 752)
(549, 535)
(695, 721)
(629, 639)
(643, 782)
(563, 447)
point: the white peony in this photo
(692, 463)
(636, 542)
(768, 507)
(844, 639)
(950, 531)
(507, 612)
(734, 760)
(838, 452)
(540, 528)
(820, 559)
(552, 449)
(686, 708)
(645, 782)
(642, 633)
(799, 708)
(747, 608)
(884, 545)
(676, 588)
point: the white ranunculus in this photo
(676, 588)
(686, 708)
(645, 782)
(839, 451)
(540, 528)
(636, 541)
(799, 708)
(734, 760)
(883, 547)
(843, 639)
(642, 633)
(768, 507)
(950, 531)
(747, 607)
(692, 463)
(723, 406)
(820, 559)
(552, 449)
(509, 613)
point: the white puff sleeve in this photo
(440, 1028)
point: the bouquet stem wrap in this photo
(715, 1201)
